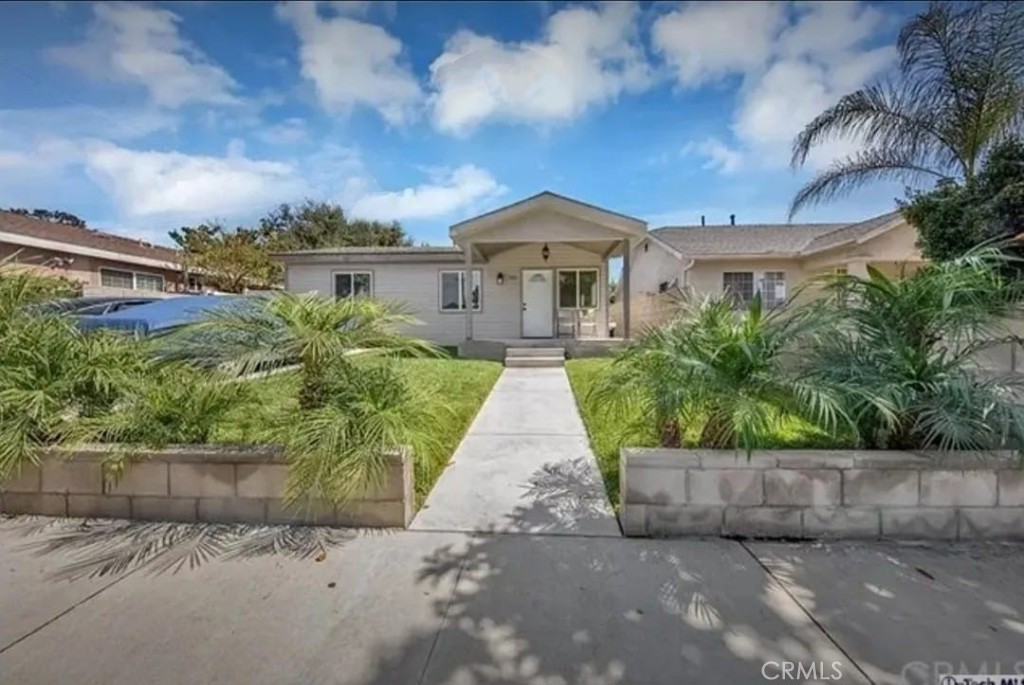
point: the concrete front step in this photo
(535, 352)
(534, 362)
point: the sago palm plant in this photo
(904, 353)
(338, 449)
(727, 375)
(317, 333)
(960, 92)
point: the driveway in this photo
(433, 608)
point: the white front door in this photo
(538, 303)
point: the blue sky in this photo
(144, 117)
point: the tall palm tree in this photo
(960, 92)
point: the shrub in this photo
(903, 354)
(726, 374)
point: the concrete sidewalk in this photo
(428, 608)
(524, 466)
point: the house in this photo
(105, 264)
(538, 269)
(772, 259)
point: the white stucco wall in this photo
(418, 285)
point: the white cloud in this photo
(705, 41)
(287, 132)
(116, 123)
(140, 45)
(586, 57)
(447, 192)
(717, 154)
(791, 71)
(149, 183)
(353, 63)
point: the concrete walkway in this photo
(524, 466)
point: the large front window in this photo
(353, 284)
(131, 280)
(577, 288)
(451, 292)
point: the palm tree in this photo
(960, 92)
(319, 334)
(904, 355)
(726, 374)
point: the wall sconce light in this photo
(501, 278)
(545, 252)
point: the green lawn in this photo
(607, 433)
(462, 384)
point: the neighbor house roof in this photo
(784, 240)
(28, 231)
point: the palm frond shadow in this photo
(99, 548)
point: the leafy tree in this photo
(229, 260)
(317, 225)
(959, 94)
(903, 355)
(954, 218)
(57, 217)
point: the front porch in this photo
(538, 271)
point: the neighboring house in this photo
(105, 264)
(539, 268)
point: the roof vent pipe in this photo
(732, 219)
(701, 219)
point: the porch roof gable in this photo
(628, 226)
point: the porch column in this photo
(625, 289)
(467, 290)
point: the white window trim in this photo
(758, 281)
(351, 273)
(577, 269)
(135, 279)
(440, 291)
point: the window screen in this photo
(111, 278)
(739, 284)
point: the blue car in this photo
(160, 316)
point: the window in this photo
(451, 291)
(353, 284)
(773, 289)
(577, 288)
(131, 280)
(149, 282)
(739, 284)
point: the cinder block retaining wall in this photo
(198, 483)
(814, 494)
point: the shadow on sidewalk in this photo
(102, 547)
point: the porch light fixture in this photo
(545, 252)
(501, 278)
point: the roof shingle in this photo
(11, 222)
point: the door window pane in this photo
(567, 282)
(588, 289)
(111, 278)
